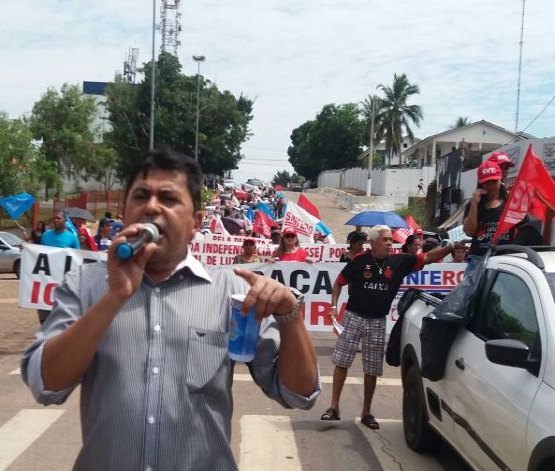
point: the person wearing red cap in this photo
(482, 215)
(288, 249)
(501, 159)
(248, 253)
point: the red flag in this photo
(262, 223)
(400, 235)
(411, 222)
(308, 206)
(533, 192)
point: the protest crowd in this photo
(244, 224)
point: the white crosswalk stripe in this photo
(22, 430)
(274, 429)
(324, 379)
(329, 380)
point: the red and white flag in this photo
(308, 206)
(217, 226)
(400, 235)
(533, 192)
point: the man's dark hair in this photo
(166, 158)
(409, 241)
(357, 237)
(104, 222)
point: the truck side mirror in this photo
(508, 352)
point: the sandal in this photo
(370, 421)
(330, 414)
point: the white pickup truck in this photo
(495, 401)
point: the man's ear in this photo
(198, 217)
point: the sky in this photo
(293, 57)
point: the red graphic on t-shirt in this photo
(388, 273)
(367, 272)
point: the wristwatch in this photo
(295, 312)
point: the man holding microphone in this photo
(146, 333)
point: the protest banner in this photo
(43, 268)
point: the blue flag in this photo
(323, 229)
(265, 209)
(250, 214)
(16, 205)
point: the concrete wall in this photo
(400, 182)
(397, 184)
(355, 178)
(330, 179)
(359, 203)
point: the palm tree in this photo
(461, 121)
(396, 115)
(371, 111)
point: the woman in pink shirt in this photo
(288, 249)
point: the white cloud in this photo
(293, 57)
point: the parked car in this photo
(295, 187)
(485, 384)
(255, 182)
(10, 253)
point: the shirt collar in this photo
(195, 266)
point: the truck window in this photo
(509, 312)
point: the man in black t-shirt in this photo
(373, 277)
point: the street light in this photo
(198, 60)
(153, 78)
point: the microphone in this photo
(127, 250)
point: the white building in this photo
(481, 136)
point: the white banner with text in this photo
(43, 268)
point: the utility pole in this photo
(519, 66)
(153, 78)
(371, 145)
(198, 60)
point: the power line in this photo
(261, 164)
(521, 43)
(540, 113)
(263, 160)
(269, 149)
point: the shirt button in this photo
(157, 328)
(151, 420)
(155, 370)
(157, 290)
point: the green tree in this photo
(460, 122)
(333, 140)
(24, 167)
(396, 115)
(223, 124)
(103, 165)
(281, 178)
(62, 121)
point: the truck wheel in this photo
(17, 268)
(418, 434)
(548, 465)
